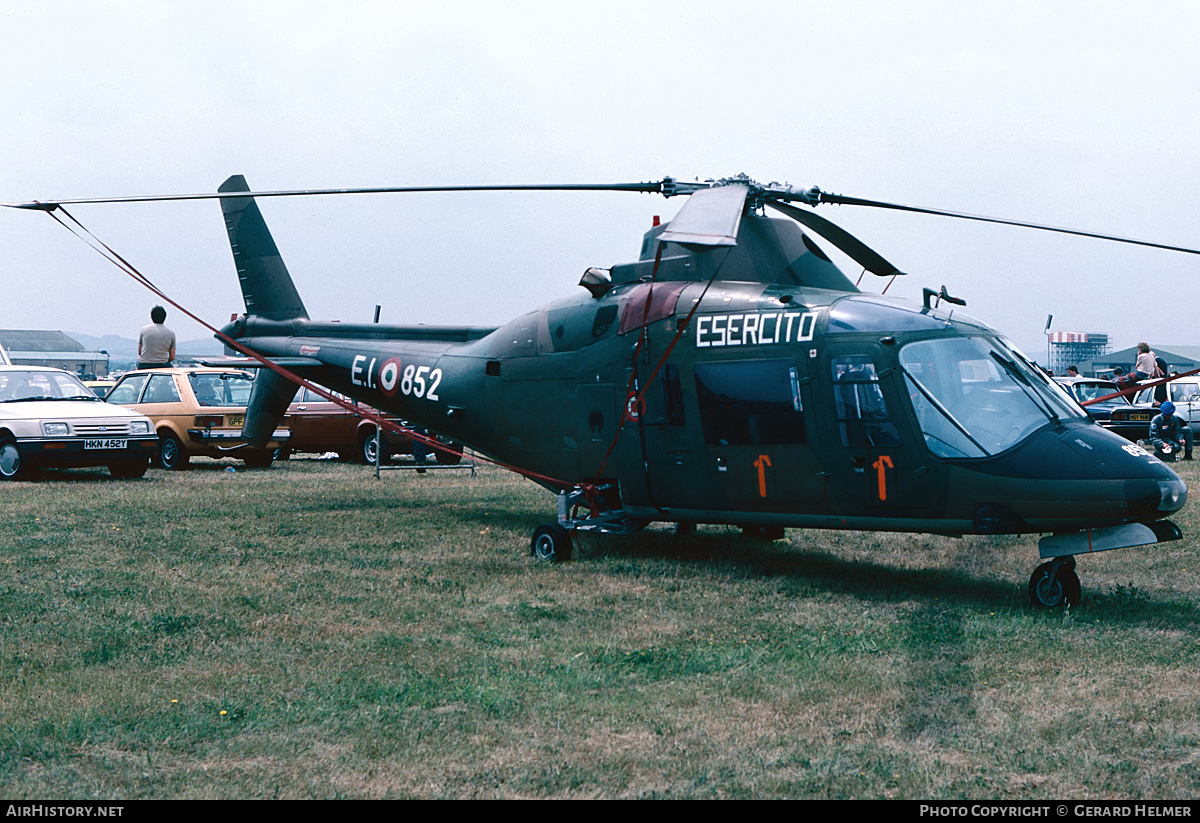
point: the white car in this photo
(48, 418)
(1184, 393)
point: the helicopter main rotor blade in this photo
(710, 217)
(850, 245)
(841, 200)
(657, 187)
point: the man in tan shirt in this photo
(156, 343)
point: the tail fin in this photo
(269, 293)
(266, 285)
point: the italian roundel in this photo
(389, 376)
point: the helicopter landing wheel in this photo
(551, 543)
(1054, 584)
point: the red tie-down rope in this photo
(1137, 387)
(105, 251)
(633, 400)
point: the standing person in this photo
(1072, 371)
(1145, 366)
(156, 343)
(1160, 392)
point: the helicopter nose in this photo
(1071, 477)
(1172, 495)
(1151, 489)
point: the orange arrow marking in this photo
(761, 464)
(881, 466)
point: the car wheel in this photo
(12, 465)
(171, 455)
(259, 459)
(370, 449)
(129, 469)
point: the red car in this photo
(318, 426)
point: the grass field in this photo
(310, 631)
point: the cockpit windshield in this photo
(976, 396)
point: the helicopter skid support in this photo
(551, 542)
(1114, 537)
(603, 519)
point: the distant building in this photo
(54, 349)
(1179, 359)
(1075, 348)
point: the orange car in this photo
(196, 411)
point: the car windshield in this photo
(1093, 391)
(51, 384)
(975, 396)
(221, 389)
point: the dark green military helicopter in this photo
(733, 375)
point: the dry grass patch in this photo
(310, 631)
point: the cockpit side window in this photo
(862, 414)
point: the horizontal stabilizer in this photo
(251, 363)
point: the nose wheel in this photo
(1054, 583)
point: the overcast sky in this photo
(1081, 114)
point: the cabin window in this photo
(602, 322)
(750, 403)
(862, 414)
